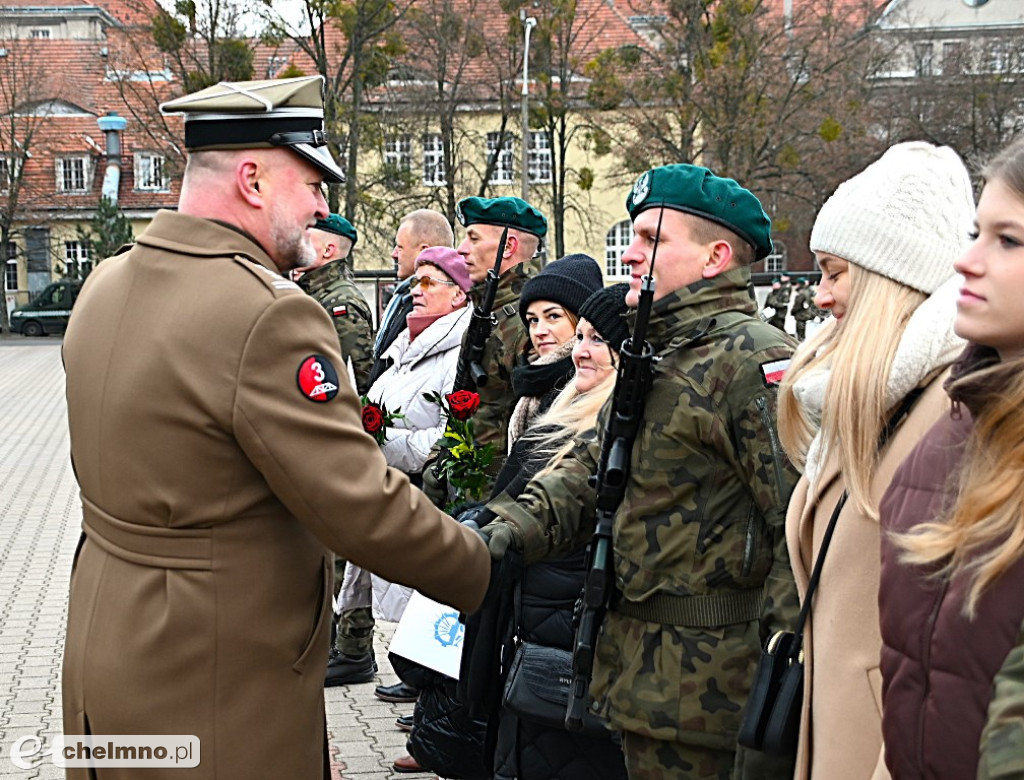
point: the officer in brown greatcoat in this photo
(220, 459)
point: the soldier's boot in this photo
(351, 660)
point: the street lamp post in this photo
(528, 24)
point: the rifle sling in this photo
(708, 611)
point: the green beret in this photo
(258, 115)
(335, 223)
(696, 190)
(504, 212)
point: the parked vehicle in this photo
(48, 312)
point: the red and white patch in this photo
(774, 371)
(317, 378)
(339, 311)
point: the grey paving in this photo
(40, 520)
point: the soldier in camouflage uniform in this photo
(777, 301)
(484, 220)
(702, 571)
(330, 281)
(804, 309)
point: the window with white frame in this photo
(40, 33)
(11, 268)
(923, 53)
(77, 259)
(434, 170)
(397, 155)
(72, 174)
(538, 157)
(6, 172)
(503, 172)
(615, 243)
(952, 57)
(151, 172)
(775, 263)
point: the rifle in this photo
(470, 373)
(632, 383)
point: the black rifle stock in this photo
(470, 374)
(636, 371)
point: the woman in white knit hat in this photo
(856, 399)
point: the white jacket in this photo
(425, 365)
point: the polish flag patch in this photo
(339, 311)
(773, 372)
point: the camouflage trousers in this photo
(353, 629)
(659, 759)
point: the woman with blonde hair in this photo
(951, 598)
(855, 400)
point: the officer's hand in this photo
(435, 487)
(500, 537)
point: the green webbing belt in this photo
(717, 609)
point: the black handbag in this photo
(772, 721)
(537, 689)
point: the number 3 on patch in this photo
(317, 379)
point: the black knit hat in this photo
(606, 311)
(567, 282)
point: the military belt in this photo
(710, 611)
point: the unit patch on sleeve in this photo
(317, 378)
(773, 371)
(339, 311)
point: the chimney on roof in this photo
(112, 125)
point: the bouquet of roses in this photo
(463, 463)
(377, 419)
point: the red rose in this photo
(373, 418)
(463, 403)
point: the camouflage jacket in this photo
(503, 347)
(803, 305)
(703, 515)
(333, 287)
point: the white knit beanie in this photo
(906, 216)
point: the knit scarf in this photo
(532, 381)
(928, 343)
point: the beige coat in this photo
(841, 726)
(213, 490)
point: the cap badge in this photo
(642, 188)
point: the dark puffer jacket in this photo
(938, 666)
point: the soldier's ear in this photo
(247, 181)
(719, 259)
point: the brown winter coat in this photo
(841, 725)
(213, 490)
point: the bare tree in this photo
(27, 91)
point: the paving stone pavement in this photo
(40, 521)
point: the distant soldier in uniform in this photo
(221, 457)
(484, 220)
(330, 282)
(786, 287)
(804, 309)
(701, 566)
(777, 302)
(417, 231)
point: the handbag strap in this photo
(812, 584)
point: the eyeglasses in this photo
(426, 282)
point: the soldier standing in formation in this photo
(329, 280)
(485, 219)
(200, 385)
(777, 301)
(702, 570)
(804, 309)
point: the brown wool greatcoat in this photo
(841, 724)
(213, 490)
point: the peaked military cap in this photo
(259, 114)
(504, 212)
(695, 190)
(337, 224)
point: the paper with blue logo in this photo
(430, 634)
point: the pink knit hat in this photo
(449, 261)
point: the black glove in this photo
(476, 516)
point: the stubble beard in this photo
(293, 244)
